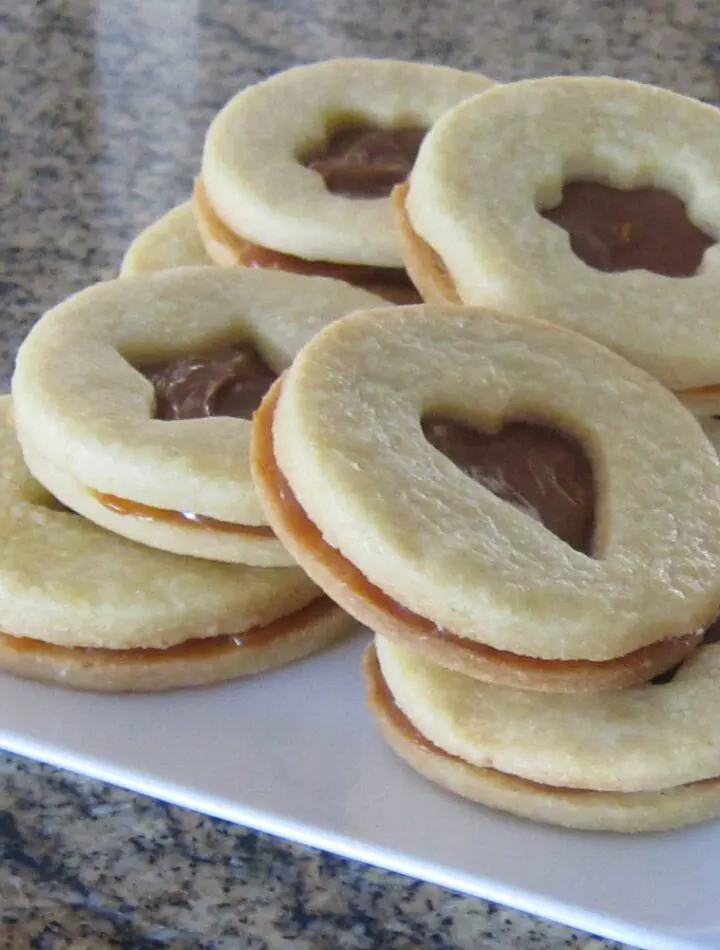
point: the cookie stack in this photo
(501, 483)
(132, 401)
(136, 554)
(473, 488)
(528, 522)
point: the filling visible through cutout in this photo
(614, 229)
(226, 381)
(541, 471)
(365, 161)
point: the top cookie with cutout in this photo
(593, 203)
(269, 154)
(133, 399)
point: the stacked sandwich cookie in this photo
(213, 463)
(131, 403)
(297, 172)
(592, 203)
(474, 488)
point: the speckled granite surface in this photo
(105, 104)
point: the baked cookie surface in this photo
(171, 241)
(346, 434)
(155, 450)
(266, 181)
(515, 192)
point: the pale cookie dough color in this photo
(314, 182)
(589, 202)
(84, 608)
(133, 401)
(171, 241)
(711, 427)
(407, 460)
(642, 759)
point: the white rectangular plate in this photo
(296, 753)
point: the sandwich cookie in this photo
(171, 241)
(308, 191)
(642, 759)
(473, 486)
(84, 608)
(588, 202)
(133, 400)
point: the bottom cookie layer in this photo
(628, 812)
(199, 662)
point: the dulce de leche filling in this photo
(613, 229)
(365, 161)
(226, 381)
(390, 282)
(196, 648)
(538, 469)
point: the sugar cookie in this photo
(310, 190)
(578, 808)
(661, 736)
(590, 202)
(171, 241)
(84, 608)
(395, 530)
(124, 397)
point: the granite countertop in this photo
(106, 104)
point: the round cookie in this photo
(171, 241)
(112, 389)
(313, 185)
(579, 808)
(396, 532)
(593, 203)
(661, 736)
(84, 608)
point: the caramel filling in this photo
(187, 519)
(197, 648)
(392, 283)
(613, 229)
(538, 469)
(226, 381)
(365, 161)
